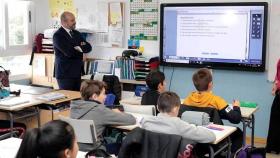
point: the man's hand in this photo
(78, 48)
(83, 43)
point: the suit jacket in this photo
(68, 61)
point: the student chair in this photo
(140, 143)
(196, 117)
(140, 109)
(85, 132)
(212, 112)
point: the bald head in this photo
(68, 20)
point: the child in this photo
(54, 139)
(92, 107)
(203, 97)
(167, 121)
(156, 83)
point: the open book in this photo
(51, 96)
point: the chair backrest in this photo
(110, 99)
(84, 129)
(113, 86)
(143, 143)
(140, 109)
(213, 113)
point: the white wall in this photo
(43, 22)
(152, 47)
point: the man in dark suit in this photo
(69, 47)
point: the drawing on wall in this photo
(57, 7)
(144, 19)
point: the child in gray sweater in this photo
(168, 122)
(92, 107)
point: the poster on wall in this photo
(102, 20)
(57, 7)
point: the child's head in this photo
(93, 90)
(169, 102)
(156, 81)
(202, 80)
(54, 139)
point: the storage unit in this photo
(42, 70)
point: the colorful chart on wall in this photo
(59, 6)
(144, 19)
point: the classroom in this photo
(23, 22)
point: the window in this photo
(18, 23)
(1, 26)
(15, 37)
(15, 27)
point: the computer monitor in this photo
(215, 35)
(106, 67)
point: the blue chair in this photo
(110, 99)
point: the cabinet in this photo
(42, 70)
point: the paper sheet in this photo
(39, 66)
(90, 15)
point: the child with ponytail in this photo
(56, 139)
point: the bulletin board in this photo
(103, 20)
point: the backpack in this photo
(250, 152)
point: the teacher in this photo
(69, 47)
(273, 138)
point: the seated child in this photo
(92, 107)
(167, 121)
(54, 139)
(203, 97)
(156, 83)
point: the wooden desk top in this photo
(138, 117)
(27, 89)
(70, 95)
(220, 135)
(245, 111)
(248, 112)
(132, 81)
(32, 100)
(133, 101)
(9, 148)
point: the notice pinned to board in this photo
(114, 36)
(90, 15)
(103, 19)
(59, 6)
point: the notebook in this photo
(51, 96)
(11, 101)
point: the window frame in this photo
(14, 50)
